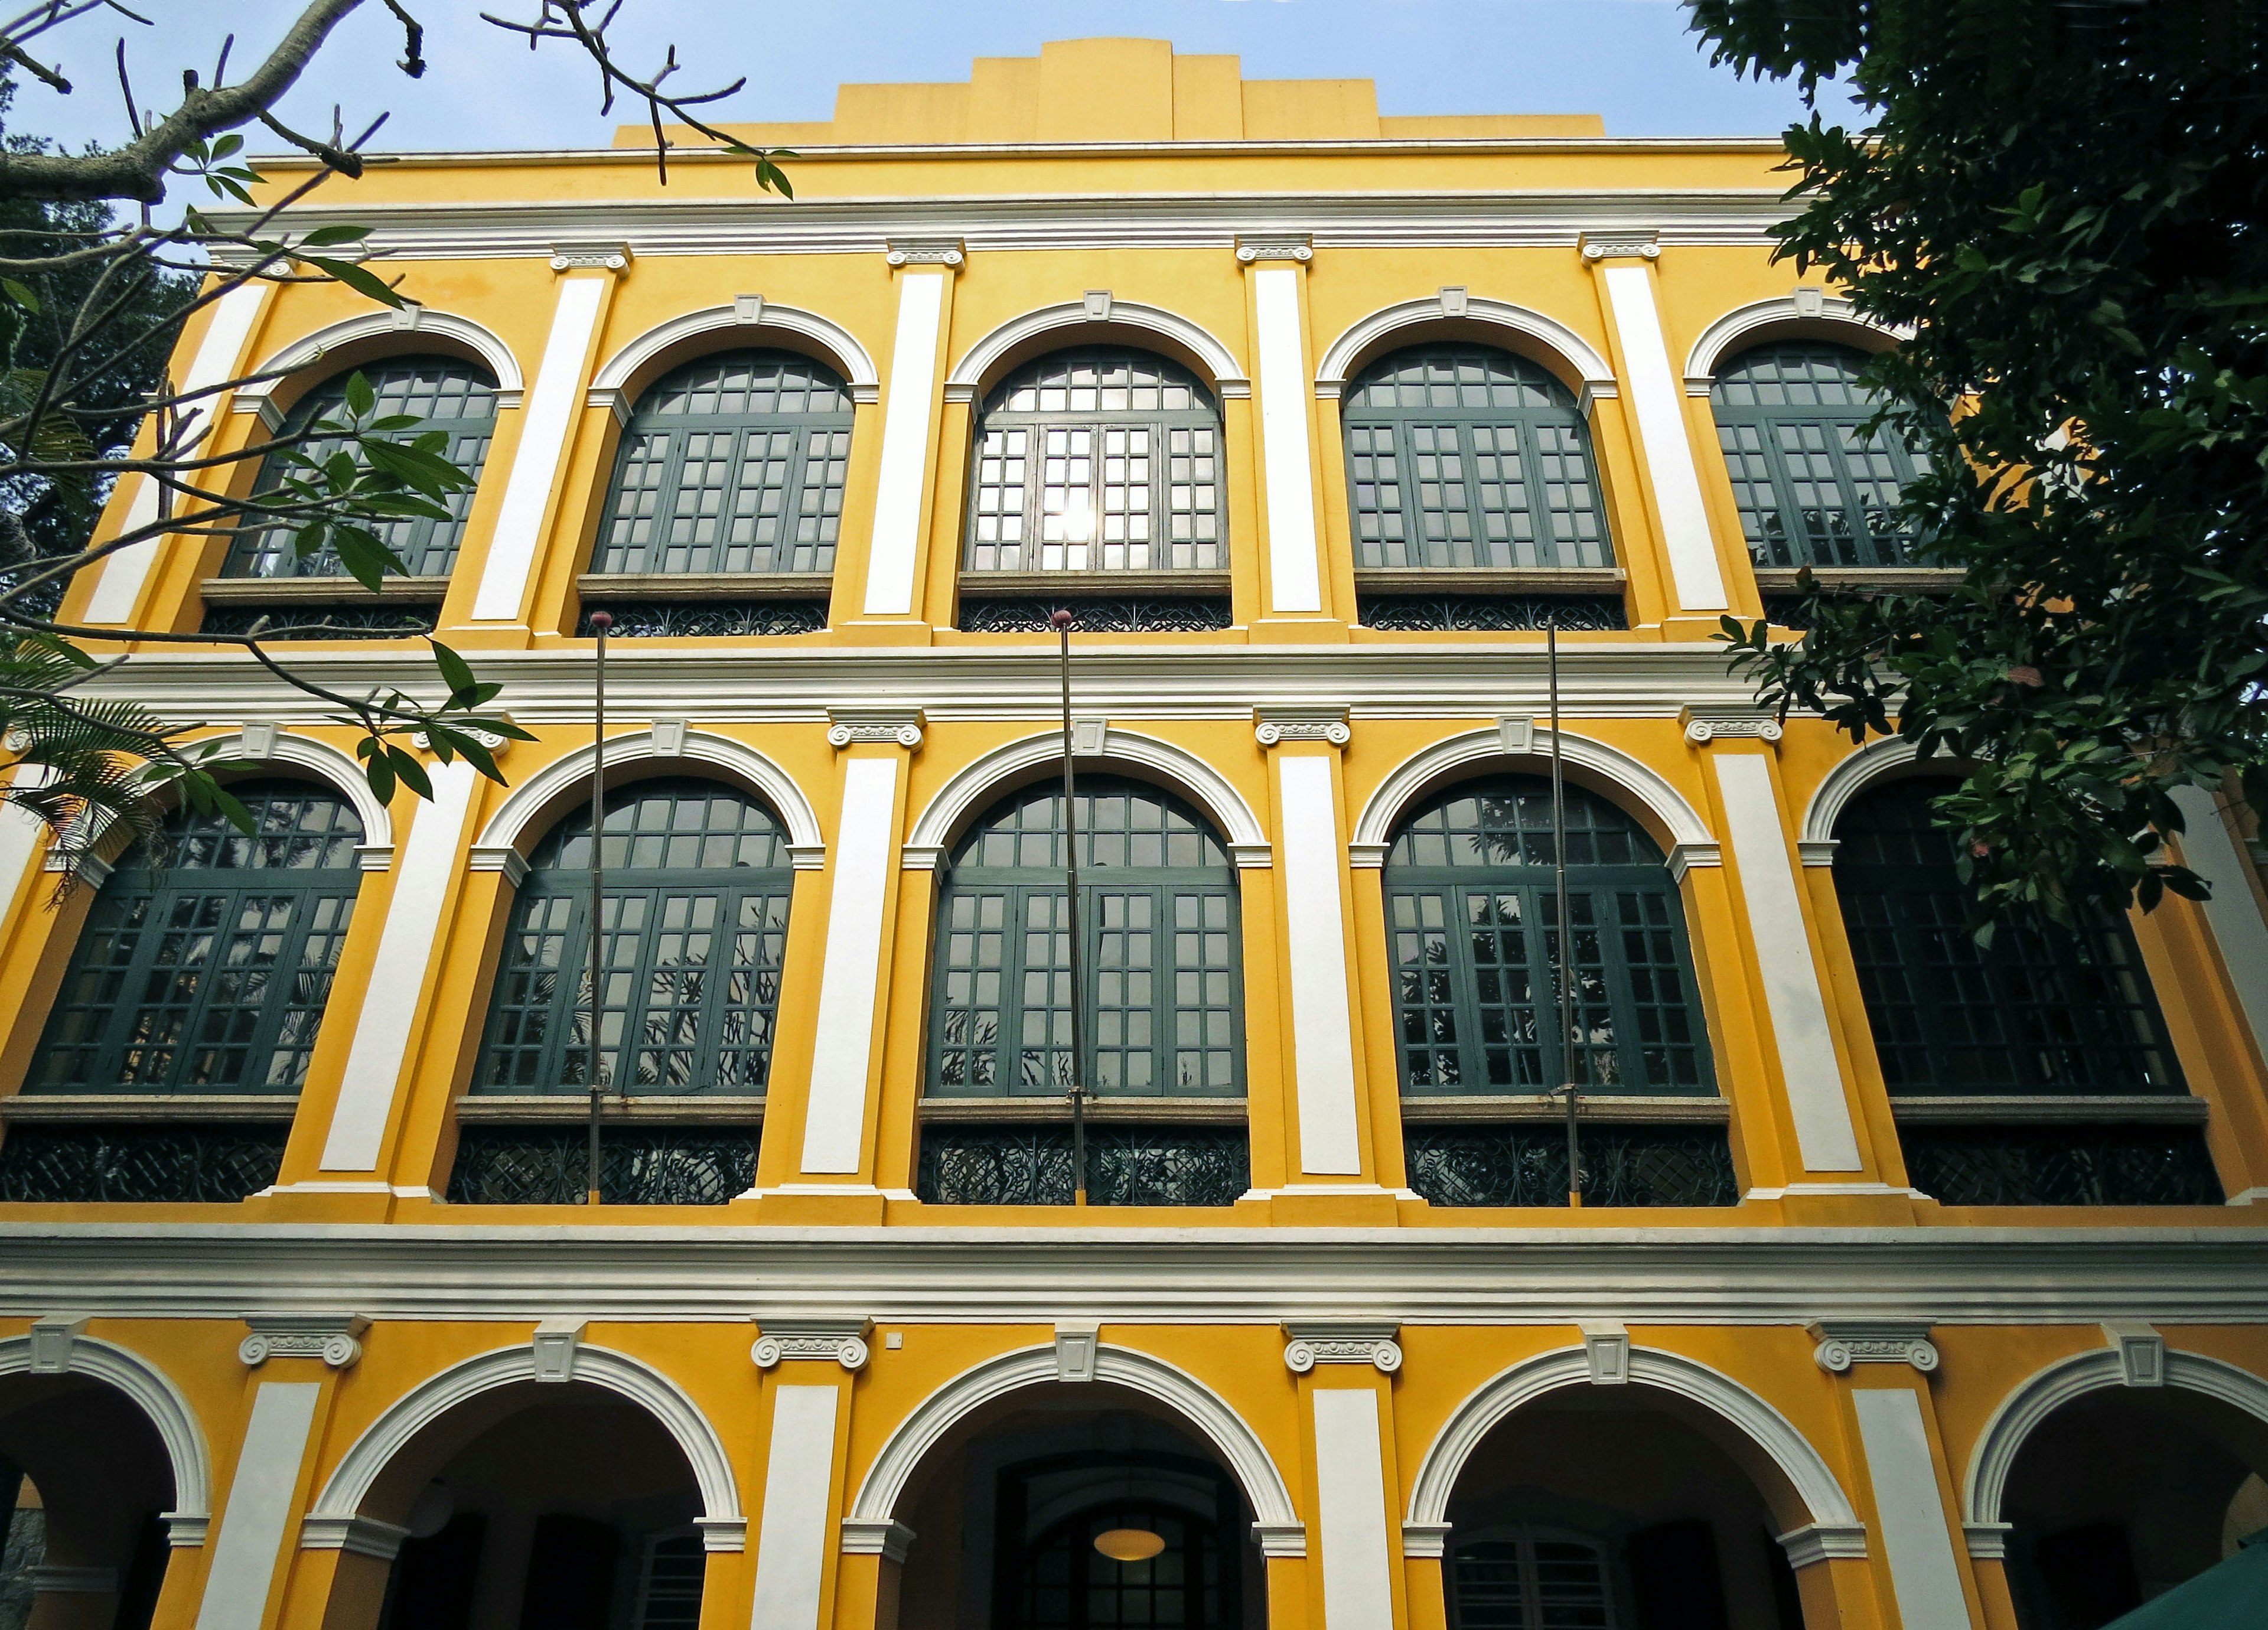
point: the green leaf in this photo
(455, 672)
(379, 771)
(358, 278)
(324, 237)
(21, 293)
(411, 772)
(359, 395)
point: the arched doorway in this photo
(84, 1483)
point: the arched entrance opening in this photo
(84, 1483)
(1019, 1506)
(2120, 1494)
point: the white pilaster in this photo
(850, 973)
(219, 353)
(252, 1525)
(896, 546)
(1659, 406)
(22, 836)
(1807, 1063)
(792, 1543)
(1322, 1023)
(2234, 912)
(1295, 582)
(407, 947)
(1351, 1510)
(1909, 1510)
(546, 423)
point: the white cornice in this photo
(2169, 1276)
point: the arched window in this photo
(1051, 1511)
(697, 880)
(2045, 1010)
(1460, 457)
(441, 393)
(205, 966)
(1814, 488)
(1471, 915)
(732, 463)
(1098, 460)
(1531, 1579)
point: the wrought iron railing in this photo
(1028, 1165)
(2061, 1165)
(173, 1163)
(708, 619)
(1526, 1164)
(1179, 614)
(637, 1166)
(330, 622)
(1490, 613)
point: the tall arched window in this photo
(697, 881)
(1813, 488)
(439, 393)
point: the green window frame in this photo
(1158, 914)
(441, 393)
(1098, 460)
(2045, 1010)
(693, 936)
(204, 965)
(1813, 487)
(1466, 457)
(734, 463)
(1472, 928)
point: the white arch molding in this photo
(2059, 1383)
(749, 322)
(1834, 1530)
(977, 783)
(1432, 767)
(969, 375)
(1393, 326)
(1852, 776)
(513, 824)
(406, 326)
(723, 1527)
(162, 1403)
(875, 1508)
(333, 766)
(1808, 313)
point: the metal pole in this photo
(1062, 620)
(1566, 969)
(600, 621)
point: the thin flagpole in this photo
(1062, 620)
(1566, 969)
(600, 621)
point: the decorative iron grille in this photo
(708, 619)
(177, 1164)
(306, 622)
(1180, 614)
(1490, 613)
(1526, 1164)
(1169, 1165)
(641, 1166)
(2061, 1165)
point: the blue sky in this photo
(1631, 60)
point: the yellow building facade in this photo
(1911, 1287)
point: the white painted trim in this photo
(1851, 776)
(386, 1022)
(552, 409)
(977, 782)
(1239, 1445)
(1227, 374)
(309, 349)
(349, 1484)
(850, 971)
(512, 826)
(895, 540)
(2022, 1411)
(23, 837)
(2234, 912)
(1431, 768)
(1326, 1084)
(1490, 1404)
(162, 1403)
(1350, 1511)
(1581, 366)
(1809, 1069)
(1286, 447)
(1917, 1542)
(245, 1556)
(791, 1535)
(1659, 408)
(850, 358)
(1835, 318)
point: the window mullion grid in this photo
(1629, 1047)
(107, 1058)
(1856, 515)
(1471, 1011)
(200, 1011)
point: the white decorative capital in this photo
(1630, 243)
(1314, 1344)
(1281, 1539)
(334, 1338)
(1078, 1342)
(1252, 247)
(613, 257)
(361, 1536)
(2141, 1352)
(1300, 722)
(876, 1536)
(900, 724)
(1607, 1345)
(844, 1341)
(51, 1342)
(1818, 1542)
(1455, 299)
(1711, 721)
(1424, 1539)
(1098, 303)
(927, 252)
(259, 741)
(748, 308)
(555, 1341)
(1845, 1342)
